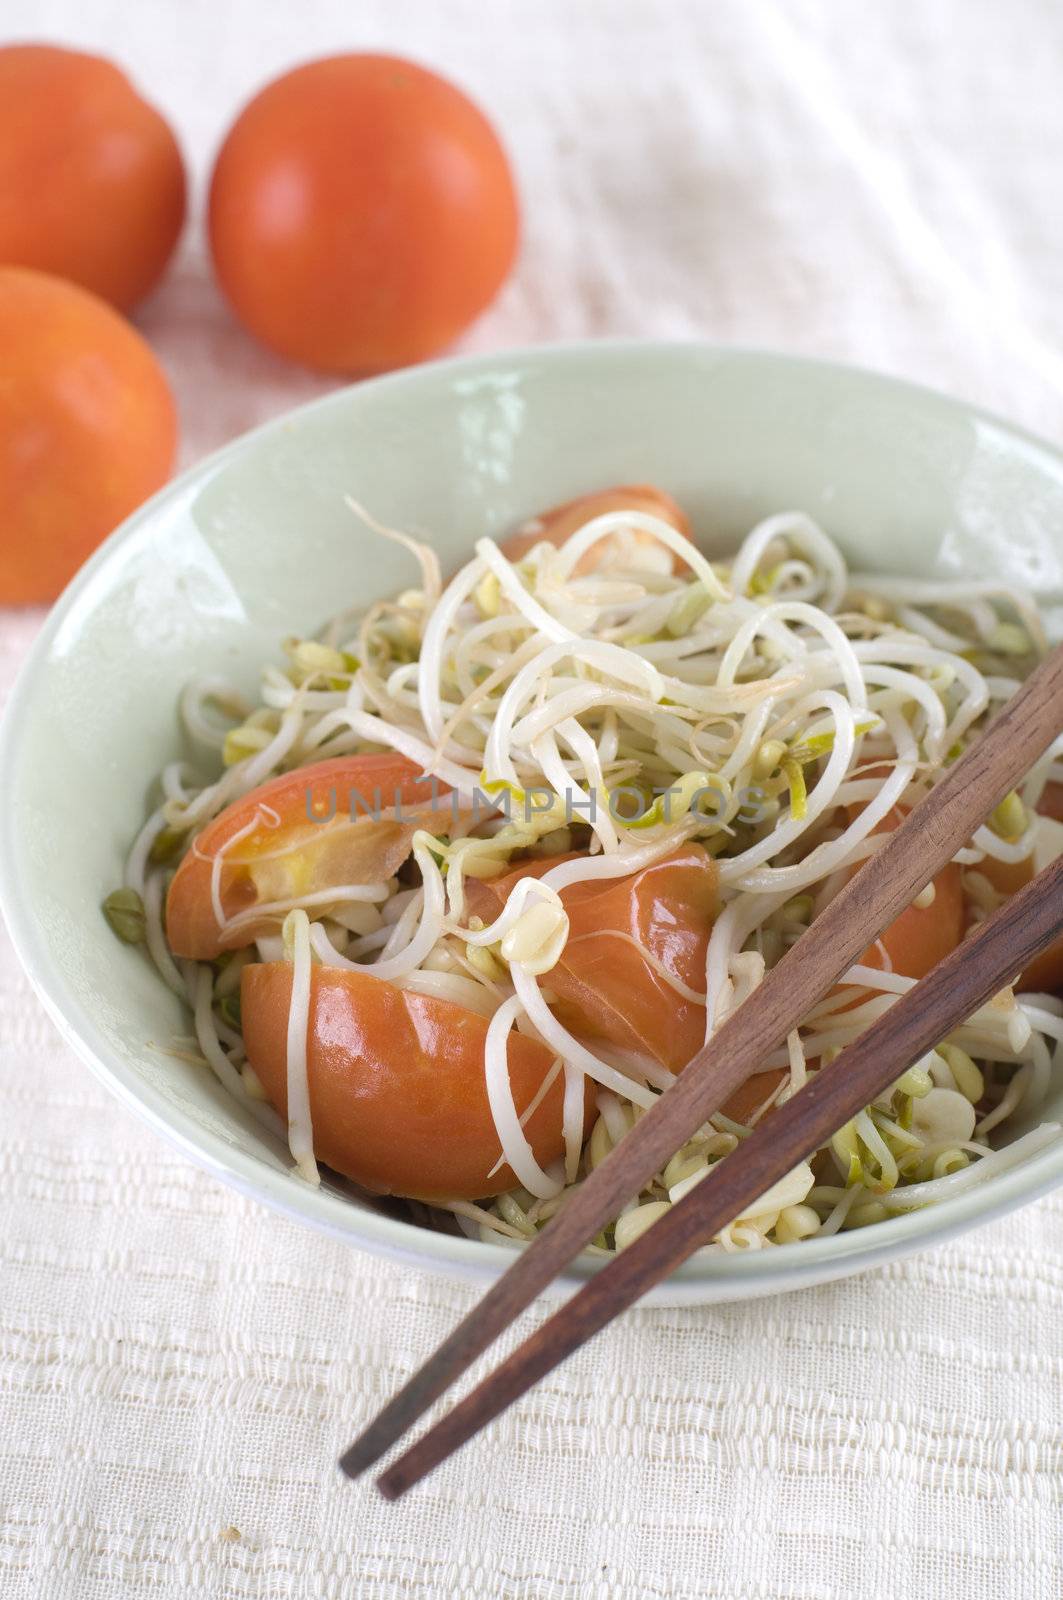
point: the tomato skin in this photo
(397, 1094)
(1051, 802)
(921, 936)
(366, 852)
(1044, 975)
(362, 213)
(560, 521)
(750, 1098)
(605, 988)
(92, 185)
(87, 429)
(1007, 877)
(918, 940)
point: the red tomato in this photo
(920, 937)
(281, 860)
(397, 1094)
(92, 186)
(1007, 877)
(362, 213)
(748, 1102)
(606, 988)
(557, 524)
(1044, 975)
(87, 429)
(1051, 802)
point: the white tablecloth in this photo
(178, 1368)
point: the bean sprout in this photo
(610, 702)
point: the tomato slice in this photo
(749, 1100)
(559, 522)
(1051, 802)
(284, 854)
(1044, 975)
(921, 936)
(397, 1094)
(919, 939)
(609, 987)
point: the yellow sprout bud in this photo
(633, 1224)
(538, 936)
(1009, 821)
(512, 1212)
(768, 757)
(1008, 639)
(965, 1074)
(555, 843)
(482, 864)
(488, 595)
(482, 960)
(916, 1082)
(310, 659)
(677, 801)
(871, 1211)
(683, 1164)
(796, 1222)
(764, 582)
(243, 742)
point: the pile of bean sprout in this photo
(599, 666)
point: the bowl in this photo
(255, 543)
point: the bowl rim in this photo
(714, 1277)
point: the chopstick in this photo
(993, 955)
(885, 885)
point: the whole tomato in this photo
(87, 429)
(92, 186)
(362, 213)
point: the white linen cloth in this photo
(179, 1368)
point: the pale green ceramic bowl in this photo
(255, 543)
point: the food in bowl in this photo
(488, 862)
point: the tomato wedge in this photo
(1051, 802)
(396, 1079)
(611, 988)
(921, 936)
(1044, 975)
(559, 522)
(284, 854)
(919, 939)
(748, 1102)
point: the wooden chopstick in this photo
(920, 1019)
(885, 885)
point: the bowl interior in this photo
(257, 543)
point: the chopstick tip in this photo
(358, 1458)
(392, 1484)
